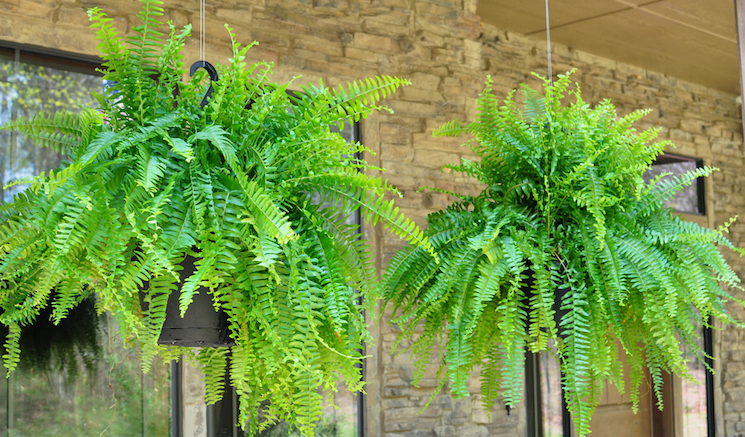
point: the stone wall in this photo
(446, 52)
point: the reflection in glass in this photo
(551, 393)
(694, 392)
(340, 420)
(110, 396)
(685, 200)
(25, 90)
(115, 400)
(341, 417)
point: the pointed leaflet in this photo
(267, 216)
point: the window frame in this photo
(227, 407)
(89, 65)
(664, 423)
(672, 158)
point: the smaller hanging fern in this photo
(254, 185)
(565, 222)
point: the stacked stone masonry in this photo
(444, 49)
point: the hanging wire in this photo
(548, 44)
(201, 31)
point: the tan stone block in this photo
(395, 133)
(680, 135)
(113, 7)
(375, 43)
(335, 7)
(81, 41)
(695, 126)
(293, 21)
(331, 48)
(416, 125)
(424, 81)
(398, 153)
(467, 26)
(361, 54)
(386, 28)
(436, 25)
(442, 9)
(412, 109)
(397, 170)
(365, 68)
(271, 40)
(72, 16)
(33, 10)
(337, 69)
(311, 55)
(419, 59)
(425, 141)
(429, 39)
(215, 29)
(434, 158)
(396, 402)
(260, 54)
(241, 15)
(5, 8)
(726, 147)
(421, 95)
(414, 50)
(411, 199)
(51, 4)
(180, 18)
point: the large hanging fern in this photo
(153, 177)
(565, 216)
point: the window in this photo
(114, 395)
(343, 419)
(689, 405)
(92, 383)
(691, 199)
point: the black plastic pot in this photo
(202, 325)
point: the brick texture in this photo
(444, 49)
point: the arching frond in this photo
(569, 247)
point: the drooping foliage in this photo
(565, 218)
(254, 185)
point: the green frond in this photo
(264, 213)
(12, 355)
(213, 363)
(569, 247)
(374, 207)
(253, 186)
(450, 129)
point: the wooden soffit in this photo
(693, 40)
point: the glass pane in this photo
(551, 393)
(694, 392)
(114, 399)
(341, 417)
(338, 422)
(342, 420)
(91, 385)
(685, 200)
(26, 90)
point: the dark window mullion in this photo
(708, 359)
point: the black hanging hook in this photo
(213, 78)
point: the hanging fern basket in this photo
(249, 180)
(566, 244)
